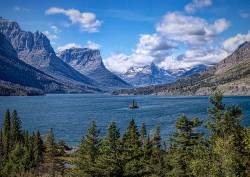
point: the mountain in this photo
(153, 75)
(89, 62)
(35, 50)
(190, 71)
(19, 78)
(147, 75)
(231, 75)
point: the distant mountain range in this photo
(30, 66)
(153, 75)
(231, 75)
(147, 75)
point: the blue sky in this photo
(138, 32)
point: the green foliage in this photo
(182, 144)
(223, 152)
(88, 152)
(110, 161)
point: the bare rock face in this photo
(89, 62)
(148, 75)
(35, 49)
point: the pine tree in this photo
(132, 153)
(143, 134)
(146, 149)
(38, 148)
(16, 133)
(50, 152)
(109, 162)
(1, 150)
(225, 125)
(16, 163)
(88, 152)
(182, 143)
(156, 159)
(6, 135)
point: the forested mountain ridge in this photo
(231, 75)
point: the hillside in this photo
(35, 49)
(19, 78)
(231, 75)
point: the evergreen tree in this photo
(38, 148)
(88, 152)
(146, 149)
(156, 159)
(110, 162)
(1, 150)
(132, 153)
(16, 162)
(6, 135)
(143, 134)
(181, 147)
(50, 152)
(16, 133)
(227, 133)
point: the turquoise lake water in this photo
(71, 114)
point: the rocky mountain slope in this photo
(147, 75)
(153, 75)
(89, 62)
(232, 75)
(35, 50)
(19, 78)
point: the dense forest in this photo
(223, 151)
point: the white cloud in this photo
(89, 44)
(21, 9)
(197, 4)
(244, 14)
(92, 45)
(68, 46)
(189, 29)
(150, 48)
(194, 57)
(55, 29)
(86, 20)
(180, 42)
(232, 43)
(118, 63)
(51, 36)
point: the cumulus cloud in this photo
(92, 45)
(189, 29)
(118, 63)
(244, 14)
(89, 44)
(197, 4)
(87, 20)
(68, 46)
(150, 48)
(55, 29)
(52, 37)
(21, 9)
(232, 43)
(180, 42)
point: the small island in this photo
(133, 105)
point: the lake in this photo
(70, 114)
